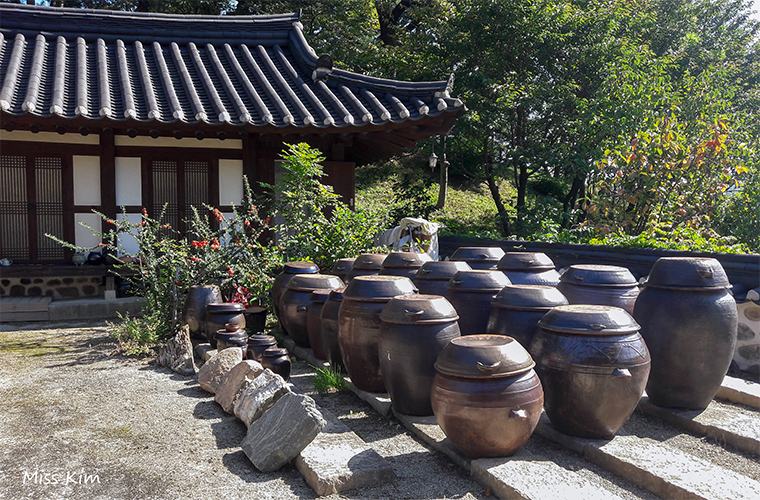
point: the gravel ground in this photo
(80, 423)
(71, 413)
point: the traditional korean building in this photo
(103, 109)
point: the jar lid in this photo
(688, 272)
(319, 296)
(525, 261)
(276, 352)
(441, 270)
(478, 281)
(478, 254)
(343, 266)
(300, 267)
(598, 275)
(529, 298)
(583, 319)
(370, 261)
(377, 288)
(311, 282)
(237, 336)
(258, 340)
(336, 294)
(479, 356)
(225, 307)
(406, 259)
(417, 309)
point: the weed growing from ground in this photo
(329, 378)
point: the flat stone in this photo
(235, 381)
(666, 472)
(259, 395)
(177, 354)
(736, 427)
(212, 373)
(205, 351)
(531, 477)
(427, 429)
(338, 460)
(740, 391)
(282, 432)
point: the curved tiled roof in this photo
(246, 71)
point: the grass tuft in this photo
(328, 379)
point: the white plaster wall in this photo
(128, 182)
(86, 180)
(230, 182)
(127, 242)
(747, 353)
(83, 236)
(27, 136)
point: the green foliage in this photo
(137, 336)
(739, 213)
(679, 238)
(327, 379)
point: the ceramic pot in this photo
(277, 360)
(256, 319)
(480, 258)
(314, 322)
(231, 336)
(404, 264)
(194, 310)
(593, 364)
(329, 320)
(485, 395)
(413, 331)
(257, 344)
(529, 268)
(689, 321)
(294, 303)
(600, 285)
(516, 310)
(218, 315)
(342, 267)
(471, 293)
(359, 326)
(281, 282)
(433, 277)
(366, 264)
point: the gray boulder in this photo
(235, 381)
(212, 373)
(282, 432)
(177, 354)
(259, 395)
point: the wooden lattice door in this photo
(180, 185)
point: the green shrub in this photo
(329, 378)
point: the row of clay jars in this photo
(295, 303)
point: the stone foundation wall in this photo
(57, 287)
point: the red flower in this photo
(145, 212)
(194, 259)
(214, 244)
(231, 271)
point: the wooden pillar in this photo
(108, 173)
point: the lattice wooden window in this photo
(196, 186)
(49, 204)
(14, 218)
(165, 191)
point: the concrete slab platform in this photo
(427, 429)
(380, 402)
(666, 472)
(530, 477)
(87, 309)
(740, 391)
(339, 460)
(737, 427)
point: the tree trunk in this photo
(444, 184)
(522, 174)
(495, 194)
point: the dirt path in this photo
(76, 423)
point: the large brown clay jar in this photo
(481, 258)
(413, 331)
(342, 267)
(218, 315)
(359, 326)
(593, 364)
(314, 322)
(689, 321)
(599, 285)
(366, 264)
(281, 282)
(529, 268)
(404, 263)
(295, 303)
(329, 319)
(194, 310)
(516, 310)
(433, 277)
(485, 395)
(471, 293)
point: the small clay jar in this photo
(231, 336)
(277, 360)
(257, 344)
(218, 315)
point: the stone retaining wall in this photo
(57, 287)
